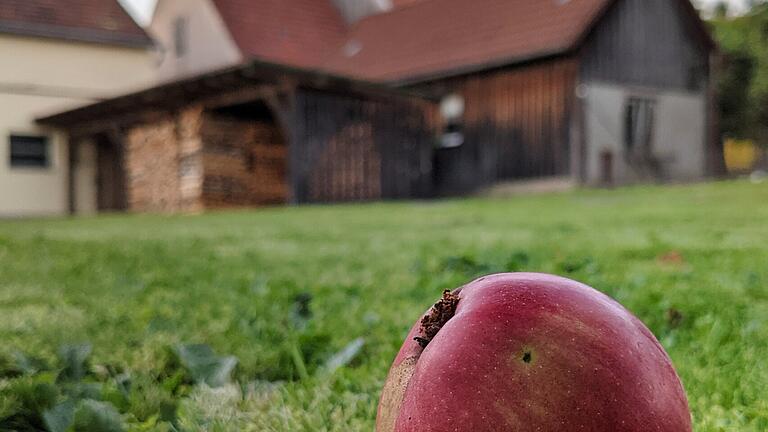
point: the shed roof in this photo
(95, 21)
(171, 95)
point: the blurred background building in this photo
(57, 55)
(339, 100)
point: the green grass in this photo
(136, 287)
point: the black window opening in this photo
(180, 36)
(639, 120)
(29, 151)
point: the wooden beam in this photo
(237, 96)
(105, 125)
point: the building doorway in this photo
(110, 175)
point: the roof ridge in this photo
(394, 10)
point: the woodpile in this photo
(244, 163)
(152, 167)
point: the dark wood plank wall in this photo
(516, 125)
(647, 43)
(353, 148)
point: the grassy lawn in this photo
(284, 290)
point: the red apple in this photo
(531, 352)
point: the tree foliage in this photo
(743, 84)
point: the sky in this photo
(142, 9)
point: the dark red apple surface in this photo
(531, 352)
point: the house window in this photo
(180, 36)
(29, 151)
(638, 126)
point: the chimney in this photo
(355, 10)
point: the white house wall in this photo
(679, 137)
(85, 198)
(43, 76)
(209, 44)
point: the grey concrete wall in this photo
(679, 137)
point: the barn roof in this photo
(444, 35)
(96, 21)
(300, 33)
(416, 39)
(434, 37)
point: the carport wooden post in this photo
(73, 147)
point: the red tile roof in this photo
(403, 3)
(448, 35)
(98, 21)
(416, 39)
(293, 32)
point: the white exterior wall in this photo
(85, 179)
(209, 44)
(43, 76)
(679, 137)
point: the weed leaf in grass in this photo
(28, 365)
(82, 390)
(95, 416)
(204, 366)
(74, 360)
(19, 364)
(60, 417)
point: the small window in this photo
(180, 36)
(638, 126)
(29, 151)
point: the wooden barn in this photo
(418, 99)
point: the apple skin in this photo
(534, 352)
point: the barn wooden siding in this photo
(357, 148)
(647, 43)
(516, 126)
